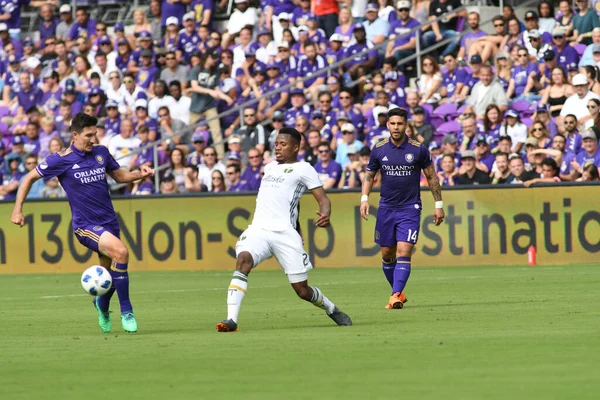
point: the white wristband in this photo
(364, 197)
(439, 204)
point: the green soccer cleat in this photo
(129, 323)
(103, 317)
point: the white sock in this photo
(319, 300)
(235, 294)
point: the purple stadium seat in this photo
(520, 105)
(436, 121)
(461, 109)
(527, 121)
(448, 127)
(3, 128)
(428, 108)
(446, 111)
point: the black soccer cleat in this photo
(227, 325)
(340, 317)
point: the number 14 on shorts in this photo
(413, 235)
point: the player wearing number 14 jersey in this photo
(274, 230)
(400, 161)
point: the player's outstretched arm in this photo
(324, 207)
(436, 190)
(121, 175)
(17, 214)
(367, 186)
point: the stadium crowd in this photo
(520, 104)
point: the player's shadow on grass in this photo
(500, 303)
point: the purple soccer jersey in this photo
(520, 74)
(451, 79)
(401, 29)
(332, 170)
(584, 158)
(573, 144)
(307, 68)
(567, 58)
(83, 177)
(398, 217)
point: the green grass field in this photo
(466, 333)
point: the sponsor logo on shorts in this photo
(376, 235)
(99, 159)
(97, 228)
(409, 157)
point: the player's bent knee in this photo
(245, 262)
(302, 290)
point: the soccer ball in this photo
(96, 280)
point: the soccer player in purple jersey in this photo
(81, 170)
(400, 161)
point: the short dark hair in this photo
(286, 130)
(175, 83)
(504, 137)
(397, 112)
(82, 121)
(236, 167)
(550, 162)
(324, 143)
(164, 108)
(501, 154)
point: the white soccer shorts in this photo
(285, 246)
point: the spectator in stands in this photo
(83, 27)
(567, 55)
(547, 21)
(253, 134)
(174, 71)
(403, 43)
(518, 173)
(486, 92)
(492, 121)
(514, 35)
(590, 153)
(446, 28)
(217, 182)
(177, 168)
(592, 75)
(472, 37)
(170, 128)
(251, 174)
(430, 81)
(484, 157)
(27, 95)
(377, 28)
(311, 155)
(66, 22)
(182, 103)
(424, 130)
(467, 137)
(587, 58)
(192, 183)
(350, 178)
(348, 139)
(308, 66)
(516, 129)
(167, 184)
(590, 173)
(243, 15)
(448, 176)
(122, 145)
(502, 173)
(539, 131)
(209, 165)
(205, 88)
(449, 146)
(556, 94)
(236, 184)
(522, 85)
(577, 103)
(453, 80)
(487, 46)
(549, 173)
(328, 169)
(360, 64)
(472, 175)
(199, 143)
(584, 22)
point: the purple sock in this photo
(121, 285)
(388, 269)
(401, 274)
(104, 300)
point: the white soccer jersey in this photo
(280, 192)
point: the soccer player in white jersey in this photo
(274, 230)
